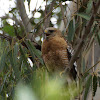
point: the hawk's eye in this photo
(51, 31)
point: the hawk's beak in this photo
(46, 33)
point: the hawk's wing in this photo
(73, 70)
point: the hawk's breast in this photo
(54, 52)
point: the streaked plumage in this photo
(54, 50)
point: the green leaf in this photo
(9, 30)
(30, 49)
(84, 15)
(3, 60)
(20, 61)
(2, 85)
(84, 76)
(15, 54)
(71, 30)
(94, 84)
(87, 86)
(14, 61)
(25, 59)
(34, 52)
(89, 7)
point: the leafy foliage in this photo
(84, 15)
(45, 87)
(22, 71)
(8, 29)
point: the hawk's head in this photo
(51, 32)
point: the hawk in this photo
(55, 53)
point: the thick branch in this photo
(64, 17)
(24, 17)
(48, 9)
(86, 31)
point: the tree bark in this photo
(24, 17)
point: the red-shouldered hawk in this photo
(54, 51)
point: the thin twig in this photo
(91, 68)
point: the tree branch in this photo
(64, 17)
(48, 9)
(86, 32)
(24, 17)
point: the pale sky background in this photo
(6, 5)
